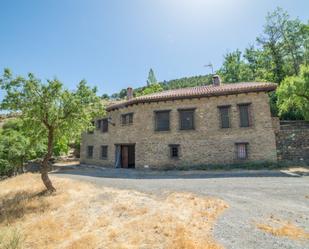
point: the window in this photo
(90, 151)
(162, 120)
(174, 151)
(104, 151)
(99, 122)
(224, 116)
(127, 119)
(104, 125)
(242, 151)
(186, 119)
(244, 115)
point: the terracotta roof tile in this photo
(197, 92)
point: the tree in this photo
(6, 169)
(151, 78)
(150, 89)
(50, 111)
(284, 40)
(234, 69)
(105, 96)
(305, 31)
(123, 93)
(258, 62)
(293, 93)
(115, 96)
(16, 147)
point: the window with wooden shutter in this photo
(174, 151)
(244, 115)
(186, 119)
(104, 125)
(224, 116)
(90, 151)
(162, 120)
(104, 151)
(127, 119)
(242, 151)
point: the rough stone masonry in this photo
(207, 143)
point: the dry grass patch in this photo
(299, 170)
(10, 238)
(87, 241)
(278, 227)
(80, 215)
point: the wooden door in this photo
(124, 156)
(131, 156)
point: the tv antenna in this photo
(211, 66)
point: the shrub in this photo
(6, 169)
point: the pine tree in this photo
(151, 78)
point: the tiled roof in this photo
(197, 92)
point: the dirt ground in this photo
(81, 215)
(267, 208)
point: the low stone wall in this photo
(293, 141)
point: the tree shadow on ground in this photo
(15, 206)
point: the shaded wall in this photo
(292, 138)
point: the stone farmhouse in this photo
(211, 124)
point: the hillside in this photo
(187, 82)
(172, 84)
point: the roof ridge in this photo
(199, 91)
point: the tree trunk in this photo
(44, 167)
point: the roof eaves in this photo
(188, 95)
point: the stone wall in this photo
(207, 144)
(293, 141)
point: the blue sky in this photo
(113, 43)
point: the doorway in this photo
(126, 156)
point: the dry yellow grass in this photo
(299, 169)
(81, 216)
(277, 227)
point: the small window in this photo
(99, 122)
(162, 120)
(174, 151)
(242, 151)
(104, 125)
(244, 115)
(90, 151)
(127, 119)
(186, 119)
(104, 151)
(224, 116)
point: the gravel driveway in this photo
(253, 196)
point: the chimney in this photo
(216, 81)
(129, 93)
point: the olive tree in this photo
(49, 110)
